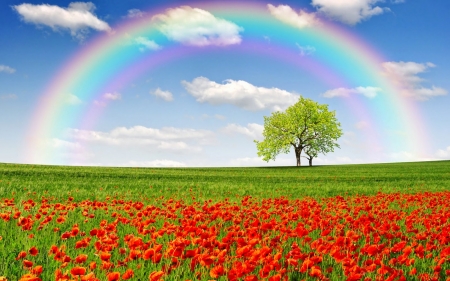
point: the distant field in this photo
(220, 183)
(348, 222)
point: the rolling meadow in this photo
(345, 222)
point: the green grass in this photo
(219, 183)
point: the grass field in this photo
(219, 183)
(347, 222)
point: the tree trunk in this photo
(298, 151)
(310, 161)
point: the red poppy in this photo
(128, 274)
(27, 263)
(113, 276)
(37, 270)
(81, 258)
(156, 275)
(78, 270)
(21, 255)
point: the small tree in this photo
(304, 125)
(311, 153)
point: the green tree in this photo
(304, 125)
(311, 153)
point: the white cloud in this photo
(257, 162)
(155, 163)
(369, 92)
(165, 95)
(112, 96)
(100, 103)
(7, 69)
(361, 125)
(70, 150)
(253, 131)
(135, 13)
(443, 153)
(406, 156)
(77, 18)
(58, 143)
(72, 99)
(8, 97)
(306, 50)
(146, 44)
(349, 11)
(405, 75)
(239, 93)
(197, 27)
(107, 97)
(167, 138)
(287, 15)
(333, 161)
(216, 116)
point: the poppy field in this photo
(354, 222)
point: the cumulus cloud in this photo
(369, 92)
(349, 11)
(197, 27)
(165, 95)
(107, 97)
(8, 97)
(70, 150)
(206, 116)
(135, 13)
(252, 130)
(6, 69)
(257, 162)
(72, 99)
(406, 156)
(58, 143)
(167, 138)
(361, 125)
(240, 93)
(155, 163)
(443, 153)
(287, 15)
(146, 44)
(78, 17)
(112, 96)
(306, 50)
(405, 75)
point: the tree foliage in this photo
(306, 126)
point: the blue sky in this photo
(184, 114)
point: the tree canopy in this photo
(306, 126)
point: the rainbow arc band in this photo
(109, 62)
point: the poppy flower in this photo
(89, 277)
(27, 263)
(104, 256)
(156, 275)
(217, 271)
(81, 258)
(37, 270)
(113, 276)
(33, 251)
(78, 270)
(128, 274)
(29, 277)
(21, 255)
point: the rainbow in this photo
(107, 63)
